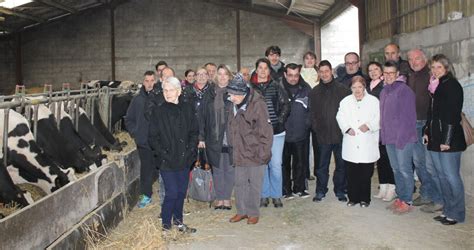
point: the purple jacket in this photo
(397, 114)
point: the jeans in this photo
(447, 165)
(147, 170)
(176, 184)
(272, 176)
(424, 166)
(322, 172)
(402, 166)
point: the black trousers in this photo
(295, 166)
(314, 142)
(147, 170)
(384, 169)
(358, 181)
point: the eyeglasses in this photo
(390, 73)
(201, 74)
(351, 63)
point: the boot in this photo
(382, 191)
(391, 194)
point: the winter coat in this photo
(363, 147)
(324, 103)
(277, 102)
(213, 126)
(418, 82)
(298, 123)
(250, 134)
(174, 135)
(397, 114)
(444, 116)
(346, 79)
(135, 120)
(376, 90)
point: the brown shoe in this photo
(252, 220)
(237, 218)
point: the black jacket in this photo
(174, 135)
(277, 100)
(298, 123)
(211, 130)
(418, 82)
(324, 103)
(444, 116)
(277, 75)
(346, 79)
(135, 119)
(376, 91)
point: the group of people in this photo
(257, 129)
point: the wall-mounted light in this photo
(10, 4)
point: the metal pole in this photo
(5, 136)
(35, 121)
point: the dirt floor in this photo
(300, 224)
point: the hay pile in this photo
(7, 209)
(122, 136)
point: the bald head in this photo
(392, 52)
(416, 59)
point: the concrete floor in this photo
(330, 224)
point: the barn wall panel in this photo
(7, 67)
(186, 34)
(456, 40)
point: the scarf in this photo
(374, 83)
(434, 82)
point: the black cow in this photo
(9, 193)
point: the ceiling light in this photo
(10, 4)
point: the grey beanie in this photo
(238, 85)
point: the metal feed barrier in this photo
(84, 97)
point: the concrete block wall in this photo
(456, 40)
(7, 67)
(186, 34)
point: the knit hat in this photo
(238, 85)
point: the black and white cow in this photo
(9, 193)
(26, 162)
(55, 145)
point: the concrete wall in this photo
(186, 34)
(455, 40)
(7, 67)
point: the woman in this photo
(309, 71)
(384, 171)
(359, 117)
(189, 76)
(214, 137)
(250, 139)
(173, 137)
(278, 107)
(445, 139)
(398, 133)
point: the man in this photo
(278, 107)
(352, 68)
(273, 54)
(392, 53)
(211, 71)
(324, 103)
(296, 148)
(250, 139)
(245, 73)
(418, 80)
(137, 125)
(159, 68)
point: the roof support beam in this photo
(57, 5)
(292, 3)
(21, 15)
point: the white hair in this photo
(173, 81)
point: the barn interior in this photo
(53, 42)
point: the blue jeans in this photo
(176, 184)
(447, 165)
(322, 172)
(401, 162)
(272, 177)
(424, 167)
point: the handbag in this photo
(201, 183)
(467, 128)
